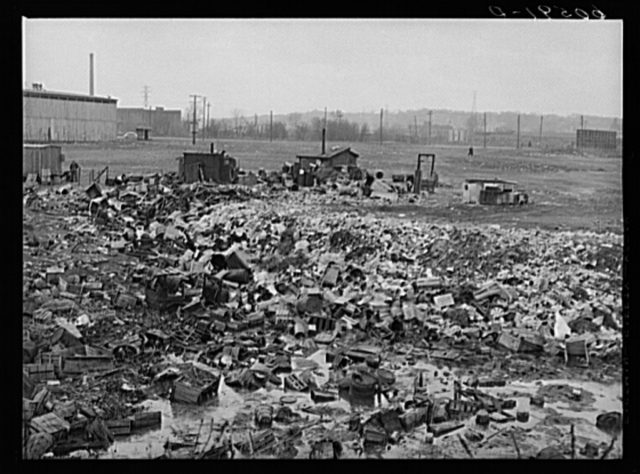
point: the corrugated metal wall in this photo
(67, 120)
(34, 160)
(596, 139)
(163, 123)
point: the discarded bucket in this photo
(363, 388)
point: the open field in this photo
(567, 191)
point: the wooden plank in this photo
(146, 420)
(119, 427)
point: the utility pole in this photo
(473, 120)
(540, 136)
(381, 126)
(485, 130)
(582, 122)
(518, 138)
(204, 117)
(271, 126)
(208, 114)
(430, 112)
(324, 133)
(415, 124)
(193, 123)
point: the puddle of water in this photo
(181, 422)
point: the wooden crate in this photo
(52, 424)
(323, 323)
(374, 435)
(40, 372)
(79, 364)
(510, 342)
(51, 358)
(185, 393)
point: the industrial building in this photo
(160, 122)
(49, 116)
(602, 139)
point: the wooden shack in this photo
(143, 132)
(36, 158)
(217, 167)
(337, 158)
(491, 191)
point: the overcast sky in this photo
(287, 65)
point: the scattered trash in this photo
(221, 295)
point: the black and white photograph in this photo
(323, 238)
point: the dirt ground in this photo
(566, 191)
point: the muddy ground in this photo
(567, 190)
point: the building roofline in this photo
(68, 96)
(488, 180)
(142, 109)
(326, 156)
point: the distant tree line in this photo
(418, 127)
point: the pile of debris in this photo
(181, 291)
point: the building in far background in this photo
(601, 139)
(49, 116)
(161, 122)
(441, 133)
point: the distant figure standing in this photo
(74, 170)
(366, 188)
(470, 151)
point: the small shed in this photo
(491, 191)
(344, 156)
(36, 158)
(143, 132)
(217, 167)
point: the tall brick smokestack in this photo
(91, 74)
